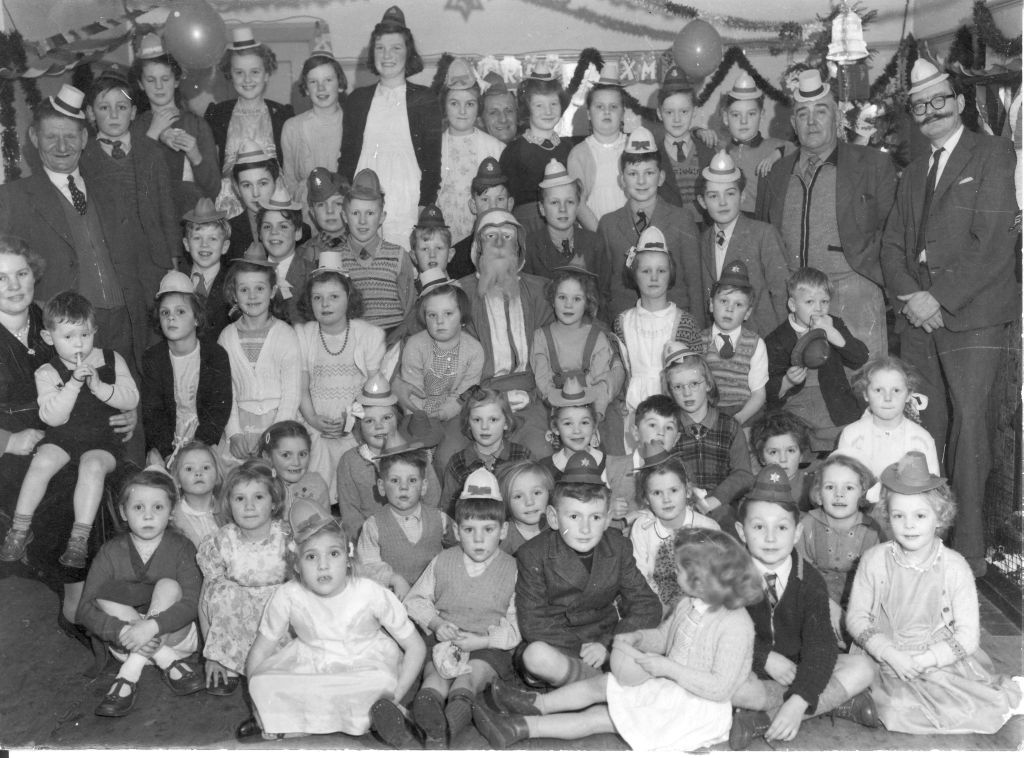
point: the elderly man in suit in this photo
(829, 201)
(78, 230)
(948, 256)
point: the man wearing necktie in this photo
(829, 201)
(948, 256)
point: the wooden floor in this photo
(46, 702)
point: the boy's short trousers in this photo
(578, 670)
(499, 660)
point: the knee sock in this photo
(21, 523)
(80, 531)
(459, 711)
(165, 656)
(131, 669)
(833, 695)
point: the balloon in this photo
(697, 49)
(196, 81)
(195, 35)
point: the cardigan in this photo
(559, 602)
(424, 128)
(719, 655)
(877, 448)
(206, 175)
(19, 408)
(800, 630)
(842, 404)
(218, 116)
(159, 408)
(273, 383)
(117, 573)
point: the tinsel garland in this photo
(443, 63)
(985, 28)
(734, 56)
(733, 22)
(897, 68)
(12, 55)
(589, 55)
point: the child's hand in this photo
(796, 375)
(619, 508)
(835, 615)
(471, 642)
(399, 586)
(655, 665)
(82, 371)
(124, 423)
(137, 633)
(925, 660)
(447, 632)
(238, 446)
(786, 723)
(593, 654)
(708, 136)
(831, 333)
(216, 674)
(627, 638)
(766, 165)
(518, 399)
(780, 668)
(903, 664)
(23, 442)
(160, 126)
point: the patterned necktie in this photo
(773, 592)
(364, 254)
(566, 250)
(641, 222)
(680, 151)
(77, 196)
(726, 351)
(116, 151)
(812, 166)
(720, 238)
(200, 284)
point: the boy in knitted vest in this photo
(578, 583)
(798, 672)
(396, 543)
(465, 603)
(736, 355)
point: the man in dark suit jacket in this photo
(949, 261)
(43, 210)
(859, 183)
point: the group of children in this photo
(593, 587)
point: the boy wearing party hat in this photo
(578, 584)
(488, 190)
(732, 236)
(325, 195)
(465, 600)
(383, 272)
(752, 152)
(798, 672)
(207, 239)
(562, 241)
(641, 174)
(682, 156)
(279, 221)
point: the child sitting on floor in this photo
(781, 438)
(526, 489)
(198, 512)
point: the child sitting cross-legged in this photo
(398, 541)
(464, 602)
(798, 671)
(578, 584)
(669, 686)
(526, 488)
(353, 647)
(142, 594)
(662, 486)
(914, 610)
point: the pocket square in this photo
(965, 180)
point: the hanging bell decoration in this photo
(847, 43)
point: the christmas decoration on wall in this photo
(847, 44)
(985, 28)
(734, 57)
(12, 57)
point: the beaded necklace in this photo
(324, 342)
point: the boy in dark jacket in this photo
(798, 672)
(578, 583)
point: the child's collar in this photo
(372, 245)
(797, 327)
(415, 513)
(754, 141)
(106, 142)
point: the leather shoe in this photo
(428, 713)
(188, 682)
(223, 687)
(391, 725)
(114, 704)
(860, 709)
(746, 725)
(509, 699)
(499, 729)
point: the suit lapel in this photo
(957, 162)
(707, 252)
(848, 179)
(48, 206)
(567, 565)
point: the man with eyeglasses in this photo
(829, 201)
(948, 257)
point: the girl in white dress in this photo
(654, 322)
(354, 643)
(669, 688)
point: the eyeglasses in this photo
(937, 103)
